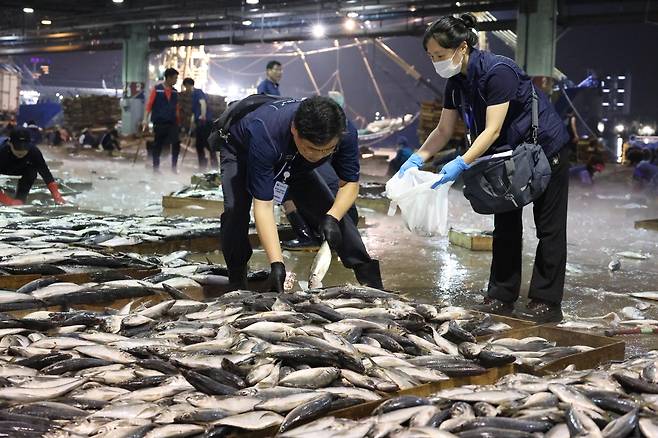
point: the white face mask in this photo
(446, 69)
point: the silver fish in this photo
(320, 266)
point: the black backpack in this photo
(237, 110)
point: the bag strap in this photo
(534, 124)
(467, 131)
(535, 115)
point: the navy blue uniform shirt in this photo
(271, 150)
(197, 96)
(492, 80)
(268, 87)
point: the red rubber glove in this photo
(8, 200)
(54, 190)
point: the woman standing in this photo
(493, 95)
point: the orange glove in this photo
(54, 190)
(8, 200)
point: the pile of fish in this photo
(619, 400)
(207, 180)
(41, 257)
(244, 361)
(104, 231)
(197, 192)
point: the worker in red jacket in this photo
(18, 156)
(163, 110)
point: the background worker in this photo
(110, 140)
(162, 108)
(584, 173)
(404, 151)
(270, 85)
(572, 130)
(272, 152)
(200, 121)
(493, 95)
(18, 156)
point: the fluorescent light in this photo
(352, 14)
(28, 10)
(349, 24)
(252, 2)
(117, 1)
(318, 30)
(46, 22)
(621, 77)
(246, 23)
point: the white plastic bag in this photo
(424, 209)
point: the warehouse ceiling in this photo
(59, 26)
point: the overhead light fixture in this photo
(46, 21)
(318, 30)
(458, 4)
(252, 2)
(352, 14)
(412, 8)
(246, 23)
(28, 10)
(117, 1)
(349, 24)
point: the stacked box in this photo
(430, 114)
(91, 112)
(216, 105)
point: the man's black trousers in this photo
(165, 133)
(202, 132)
(310, 194)
(550, 214)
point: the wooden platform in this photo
(13, 282)
(605, 349)
(181, 206)
(194, 244)
(648, 224)
(474, 240)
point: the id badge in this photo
(280, 190)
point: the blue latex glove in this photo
(451, 171)
(414, 160)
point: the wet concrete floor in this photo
(600, 224)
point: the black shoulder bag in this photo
(508, 181)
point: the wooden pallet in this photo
(471, 239)
(605, 349)
(648, 224)
(194, 244)
(13, 282)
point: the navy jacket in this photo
(163, 110)
(268, 147)
(268, 87)
(487, 74)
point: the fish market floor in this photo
(600, 224)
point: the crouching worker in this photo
(269, 151)
(18, 156)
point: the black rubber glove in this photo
(330, 231)
(277, 276)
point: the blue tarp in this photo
(42, 113)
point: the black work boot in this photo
(543, 312)
(495, 306)
(305, 238)
(237, 279)
(368, 274)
